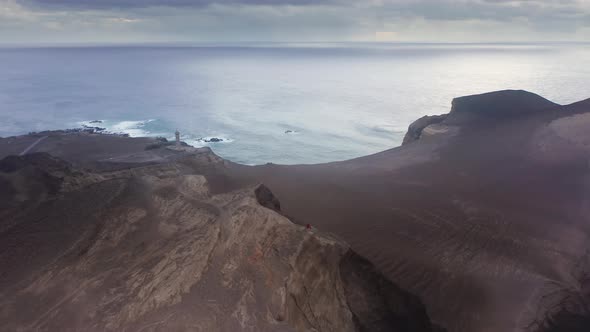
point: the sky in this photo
(159, 21)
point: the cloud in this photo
(498, 10)
(10, 10)
(295, 20)
(110, 4)
(122, 20)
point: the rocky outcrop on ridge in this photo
(415, 129)
(152, 249)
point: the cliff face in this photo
(152, 249)
(479, 110)
(417, 127)
(496, 105)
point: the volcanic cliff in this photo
(150, 248)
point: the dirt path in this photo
(25, 151)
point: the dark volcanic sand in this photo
(482, 217)
(480, 225)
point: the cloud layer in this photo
(34, 21)
(102, 4)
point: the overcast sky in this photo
(146, 21)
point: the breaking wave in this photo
(151, 128)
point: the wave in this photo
(131, 128)
(150, 128)
(206, 141)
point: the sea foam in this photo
(131, 128)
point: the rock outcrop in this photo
(152, 249)
(415, 129)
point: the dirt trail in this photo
(30, 147)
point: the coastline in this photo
(493, 213)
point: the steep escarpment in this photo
(152, 249)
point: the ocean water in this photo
(280, 103)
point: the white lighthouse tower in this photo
(177, 134)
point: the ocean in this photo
(272, 102)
